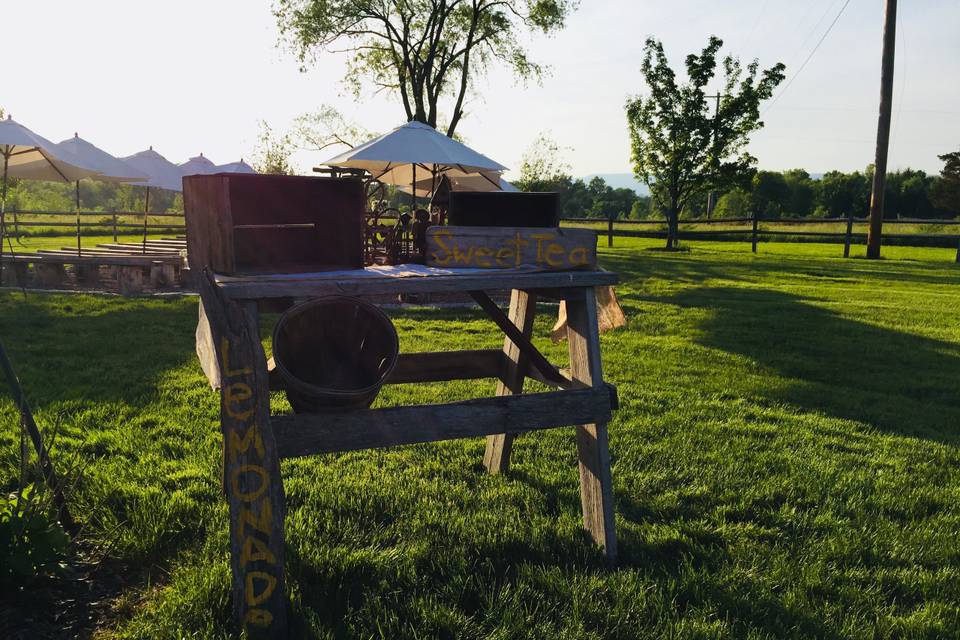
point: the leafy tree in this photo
(803, 193)
(421, 49)
(678, 149)
(770, 194)
(641, 208)
(733, 204)
(843, 194)
(946, 191)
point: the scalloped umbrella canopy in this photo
(29, 156)
(470, 182)
(236, 167)
(391, 158)
(109, 168)
(161, 173)
(198, 165)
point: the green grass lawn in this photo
(785, 464)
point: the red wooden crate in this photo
(244, 223)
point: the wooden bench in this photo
(48, 264)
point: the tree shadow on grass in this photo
(893, 381)
(84, 348)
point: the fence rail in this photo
(755, 233)
(19, 219)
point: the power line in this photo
(802, 66)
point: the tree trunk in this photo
(672, 227)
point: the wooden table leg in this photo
(596, 487)
(252, 479)
(523, 307)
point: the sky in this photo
(192, 76)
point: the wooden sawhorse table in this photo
(254, 441)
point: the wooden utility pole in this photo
(883, 130)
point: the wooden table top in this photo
(403, 279)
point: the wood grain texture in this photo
(309, 434)
(251, 468)
(523, 308)
(522, 342)
(258, 287)
(596, 485)
(439, 366)
(548, 248)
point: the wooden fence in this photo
(753, 231)
(20, 222)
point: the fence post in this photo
(114, 226)
(754, 235)
(610, 231)
(957, 260)
(847, 240)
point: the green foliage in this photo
(677, 147)
(909, 194)
(543, 168)
(422, 50)
(946, 192)
(273, 151)
(40, 195)
(32, 541)
(769, 190)
(733, 204)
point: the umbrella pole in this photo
(78, 217)
(413, 190)
(146, 208)
(3, 213)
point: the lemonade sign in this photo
(547, 249)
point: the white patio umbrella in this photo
(395, 157)
(236, 167)
(161, 174)
(29, 156)
(470, 182)
(197, 165)
(108, 168)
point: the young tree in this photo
(272, 154)
(421, 49)
(542, 167)
(325, 128)
(678, 148)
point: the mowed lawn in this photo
(785, 464)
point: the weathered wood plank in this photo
(596, 485)
(523, 308)
(430, 366)
(272, 286)
(522, 342)
(438, 366)
(62, 257)
(309, 434)
(251, 468)
(549, 248)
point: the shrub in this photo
(32, 541)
